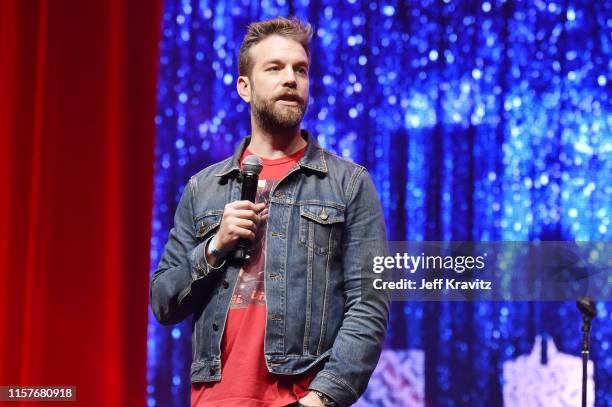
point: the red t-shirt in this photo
(245, 379)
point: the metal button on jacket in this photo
(323, 215)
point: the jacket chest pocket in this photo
(321, 227)
(206, 223)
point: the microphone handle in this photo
(249, 186)
(248, 193)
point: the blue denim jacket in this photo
(325, 224)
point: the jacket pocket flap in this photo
(323, 214)
(207, 222)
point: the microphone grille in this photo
(252, 163)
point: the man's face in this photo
(279, 83)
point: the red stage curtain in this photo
(77, 104)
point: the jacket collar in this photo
(313, 158)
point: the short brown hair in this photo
(258, 31)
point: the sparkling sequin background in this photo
(477, 120)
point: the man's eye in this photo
(273, 68)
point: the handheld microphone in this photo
(251, 167)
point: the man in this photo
(298, 323)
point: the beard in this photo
(273, 117)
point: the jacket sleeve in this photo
(358, 344)
(183, 263)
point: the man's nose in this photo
(289, 78)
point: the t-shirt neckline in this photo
(279, 160)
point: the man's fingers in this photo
(246, 224)
(242, 214)
(242, 205)
(260, 206)
(263, 215)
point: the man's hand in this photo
(311, 400)
(240, 221)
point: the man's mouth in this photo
(291, 100)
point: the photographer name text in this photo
(435, 284)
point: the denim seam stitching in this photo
(309, 288)
(322, 331)
(352, 183)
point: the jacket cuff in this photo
(199, 266)
(334, 387)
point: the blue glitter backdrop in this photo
(477, 120)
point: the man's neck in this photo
(271, 145)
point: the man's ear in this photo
(243, 86)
